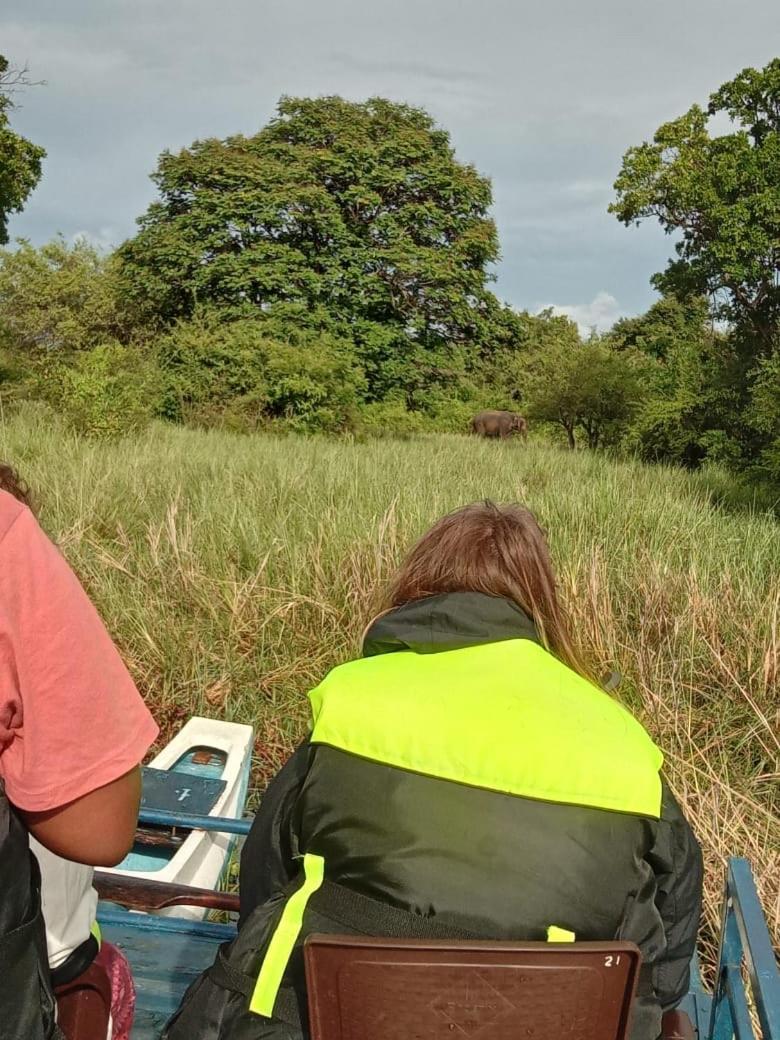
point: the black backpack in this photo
(27, 1003)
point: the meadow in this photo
(233, 571)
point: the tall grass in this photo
(234, 571)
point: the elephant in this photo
(499, 424)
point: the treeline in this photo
(332, 273)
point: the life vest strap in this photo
(283, 940)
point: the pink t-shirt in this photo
(71, 719)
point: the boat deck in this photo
(166, 955)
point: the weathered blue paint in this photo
(744, 938)
(166, 955)
(759, 956)
(697, 1003)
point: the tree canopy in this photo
(360, 209)
(20, 159)
(584, 386)
(720, 193)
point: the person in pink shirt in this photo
(73, 730)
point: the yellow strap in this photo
(95, 930)
(556, 934)
(283, 939)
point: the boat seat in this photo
(390, 989)
(84, 1005)
(166, 790)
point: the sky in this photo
(543, 97)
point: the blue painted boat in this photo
(167, 954)
(204, 770)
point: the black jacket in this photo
(485, 863)
(27, 1007)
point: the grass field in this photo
(233, 571)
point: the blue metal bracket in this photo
(744, 939)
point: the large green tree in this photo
(358, 209)
(660, 330)
(719, 193)
(20, 159)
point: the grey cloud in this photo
(419, 70)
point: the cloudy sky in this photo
(542, 96)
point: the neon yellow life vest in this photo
(505, 716)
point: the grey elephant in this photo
(499, 424)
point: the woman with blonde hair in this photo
(464, 778)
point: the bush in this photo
(209, 369)
(234, 375)
(59, 298)
(14, 376)
(389, 419)
(664, 431)
(764, 414)
(451, 414)
(105, 392)
(312, 386)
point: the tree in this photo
(358, 209)
(721, 194)
(20, 159)
(659, 332)
(499, 368)
(58, 298)
(696, 383)
(588, 387)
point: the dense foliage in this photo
(59, 298)
(721, 194)
(358, 211)
(587, 388)
(238, 374)
(332, 273)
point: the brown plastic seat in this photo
(391, 989)
(84, 1005)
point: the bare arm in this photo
(97, 828)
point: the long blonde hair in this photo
(497, 550)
